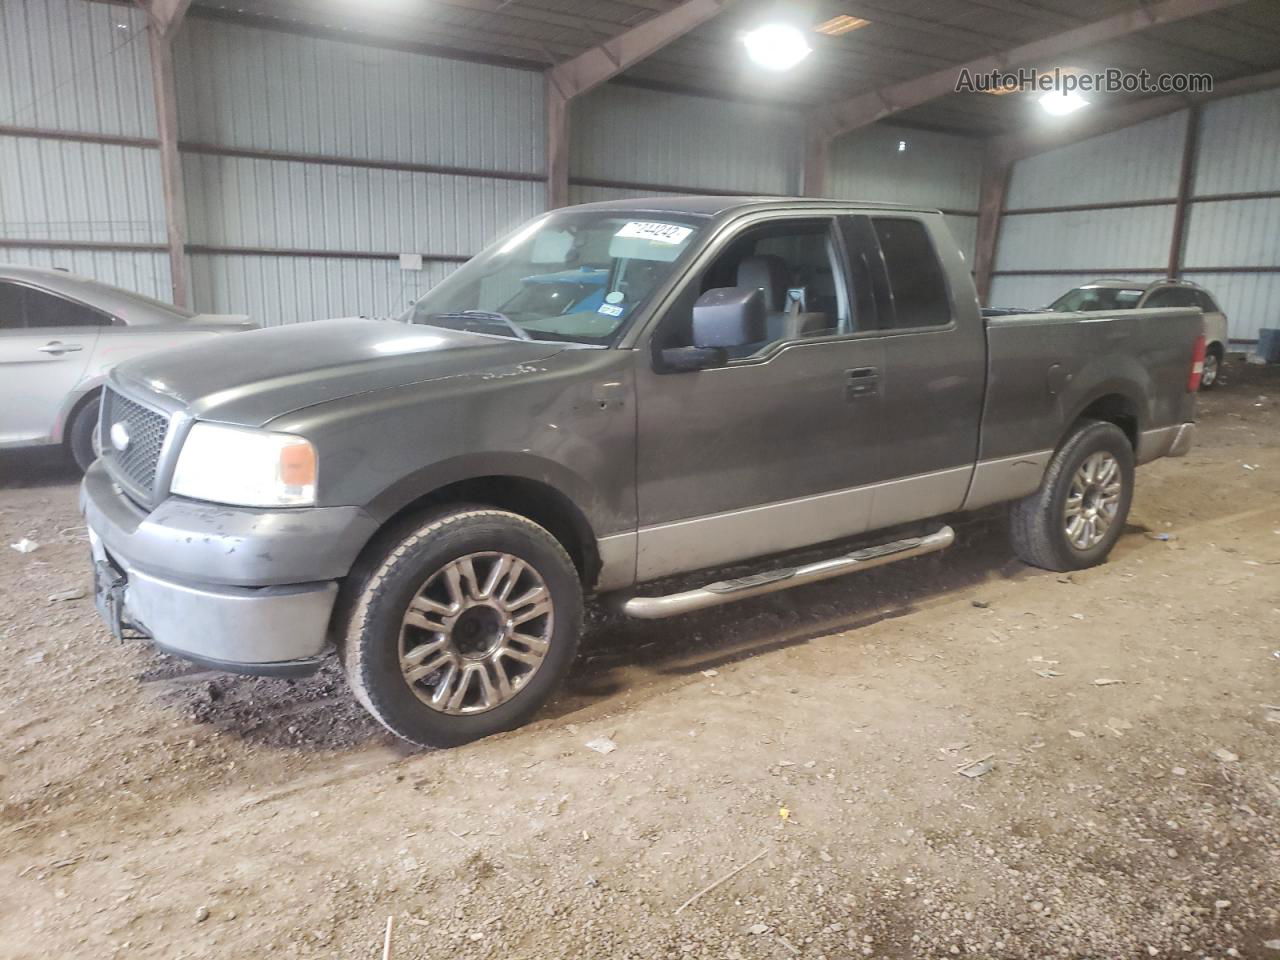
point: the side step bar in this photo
(784, 578)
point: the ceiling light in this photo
(1060, 104)
(902, 146)
(776, 46)
(841, 25)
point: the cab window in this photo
(796, 264)
(918, 289)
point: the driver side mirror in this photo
(723, 318)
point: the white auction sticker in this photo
(672, 233)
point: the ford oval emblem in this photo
(120, 436)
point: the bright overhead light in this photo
(777, 46)
(1060, 104)
(902, 146)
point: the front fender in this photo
(474, 466)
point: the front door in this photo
(775, 449)
(45, 346)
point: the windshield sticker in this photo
(614, 296)
(672, 233)
(609, 310)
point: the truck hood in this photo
(263, 374)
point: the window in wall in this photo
(918, 287)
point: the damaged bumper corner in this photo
(204, 583)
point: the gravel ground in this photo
(789, 777)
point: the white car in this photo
(1112, 294)
(60, 334)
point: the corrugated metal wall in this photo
(82, 68)
(631, 135)
(1238, 153)
(900, 165)
(1137, 163)
(303, 97)
(76, 66)
(627, 139)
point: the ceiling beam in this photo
(601, 63)
(855, 112)
(165, 15)
(1086, 124)
(593, 67)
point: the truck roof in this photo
(711, 205)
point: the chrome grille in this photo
(146, 429)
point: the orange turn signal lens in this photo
(298, 465)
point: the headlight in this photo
(245, 467)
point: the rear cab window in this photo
(917, 286)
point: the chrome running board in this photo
(784, 578)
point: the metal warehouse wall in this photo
(80, 69)
(310, 164)
(1106, 206)
(627, 141)
(901, 165)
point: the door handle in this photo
(57, 348)
(861, 382)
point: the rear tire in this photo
(82, 434)
(464, 627)
(1076, 516)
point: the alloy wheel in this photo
(1092, 501)
(475, 633)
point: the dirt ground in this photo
(811, 741)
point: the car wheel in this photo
(464, 627)
(1076, 516)
(1211, 370)
(82, 434)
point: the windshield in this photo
(575, 276)
(1097, 298)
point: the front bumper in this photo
(250, 591)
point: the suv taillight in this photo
(1197, 365)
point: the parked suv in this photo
(753, 377)
(1111, 294)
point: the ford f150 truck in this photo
(434, 497)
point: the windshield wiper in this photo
(485, 315)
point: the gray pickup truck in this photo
(613, 395)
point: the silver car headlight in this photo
(245, 467)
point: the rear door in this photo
(46, 342)
(776, 448)
(933, 371)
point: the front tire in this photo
(1076, 516)
(464, 628)
(82, 434)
